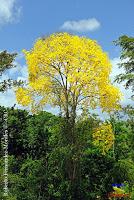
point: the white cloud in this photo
(83, 25)
(7, 99)
(9, 11)
(53, 110)
(115, 68)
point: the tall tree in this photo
(127, 57)
(70, 72)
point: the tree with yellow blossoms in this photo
(71, 72)
(103, 138)
(68, 71)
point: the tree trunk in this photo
(71, 164)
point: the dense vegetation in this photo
(38, 157)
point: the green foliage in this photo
(127, 57)
(7, 62)
(96, 174)
(39, 157)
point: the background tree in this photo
(127, 57)
(7, 62)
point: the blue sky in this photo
(23, 21)
(38, 18)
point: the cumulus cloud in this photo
(83, 25)
(9, 11)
